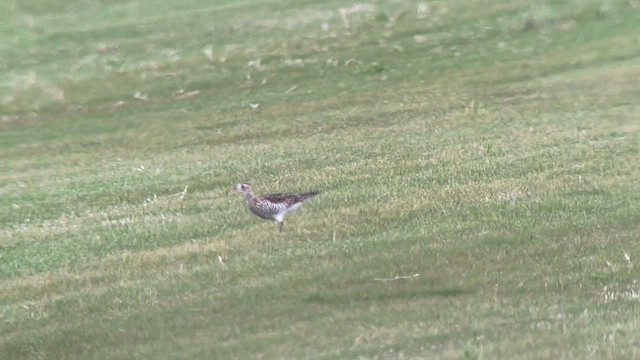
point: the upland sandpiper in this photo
(273, 206)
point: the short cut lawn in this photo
(478, 162)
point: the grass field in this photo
(479, 163)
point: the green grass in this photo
(479, 169)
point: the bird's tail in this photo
(309, 195)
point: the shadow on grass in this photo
(380, 294)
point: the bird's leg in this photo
(281, 226)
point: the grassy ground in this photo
(478, 162)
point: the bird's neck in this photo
(250, 197)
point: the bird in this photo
(273, 206)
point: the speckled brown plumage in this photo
(273, 206)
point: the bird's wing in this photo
(289, 199)
(286, 199)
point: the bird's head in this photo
(243, 188)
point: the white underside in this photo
(280, 216)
